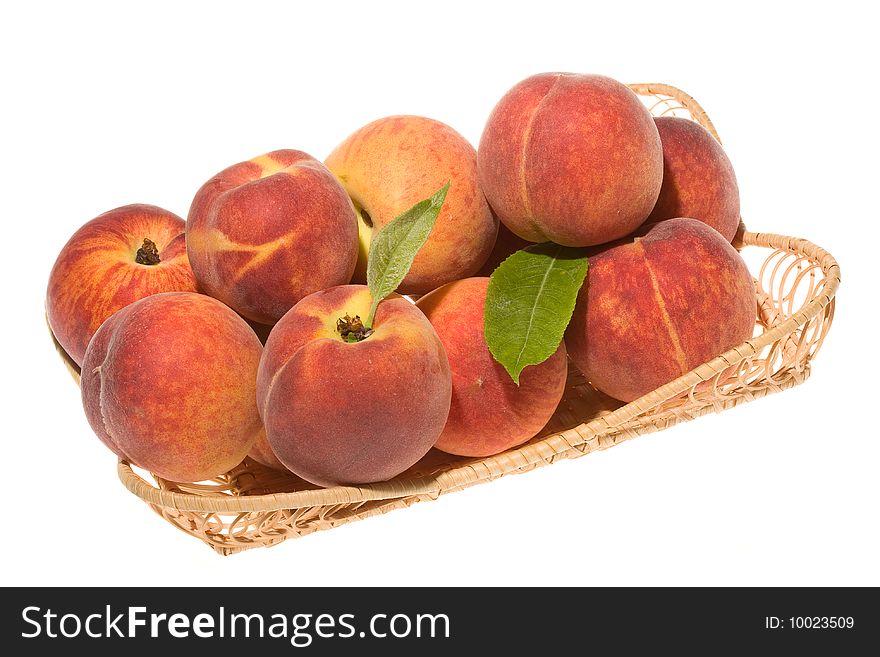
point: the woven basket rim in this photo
(517, 458)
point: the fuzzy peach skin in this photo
(168, 383)
(265, 233)
(698, 178)
(97, 271)
(393, 163)
(352, 413)
(571, 159)
(262, 453)
(657, 306)
(489, 412)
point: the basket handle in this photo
(686, 101)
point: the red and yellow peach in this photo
(115, 259)
(351, 412)
(393, 163)
(169, 383)
(571, 159)
(698, 178)
(264, 233)
(656, 306)
(489, 412)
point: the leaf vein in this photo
(532, 314)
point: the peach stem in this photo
(352, 329)
(148, 254)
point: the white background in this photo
(106, 104)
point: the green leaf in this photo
(393, 248)
(529, 303)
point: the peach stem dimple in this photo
(352, 329)
(148, 254)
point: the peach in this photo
(506, 245)
(698, 178)
(265, 233)
(571, 159)
(115, 259)
(340, 412)
(390, 165)
(656, 306)
(169, 384)
(489, 412)
(262, 453)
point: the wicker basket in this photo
(253, 506)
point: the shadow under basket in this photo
(254, 506)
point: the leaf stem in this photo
(372, 316)
(394, 247)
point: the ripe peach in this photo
(263, 234)
(571, 159)
(339, 412)
(390, 165)
(168, 383)
(489, 412)
(119, 257)
(698, 178)
(262, 453)
(657, 306)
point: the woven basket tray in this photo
(253, 506)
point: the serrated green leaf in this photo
(393, 249)
(529, 303)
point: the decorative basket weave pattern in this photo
(253, 506)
